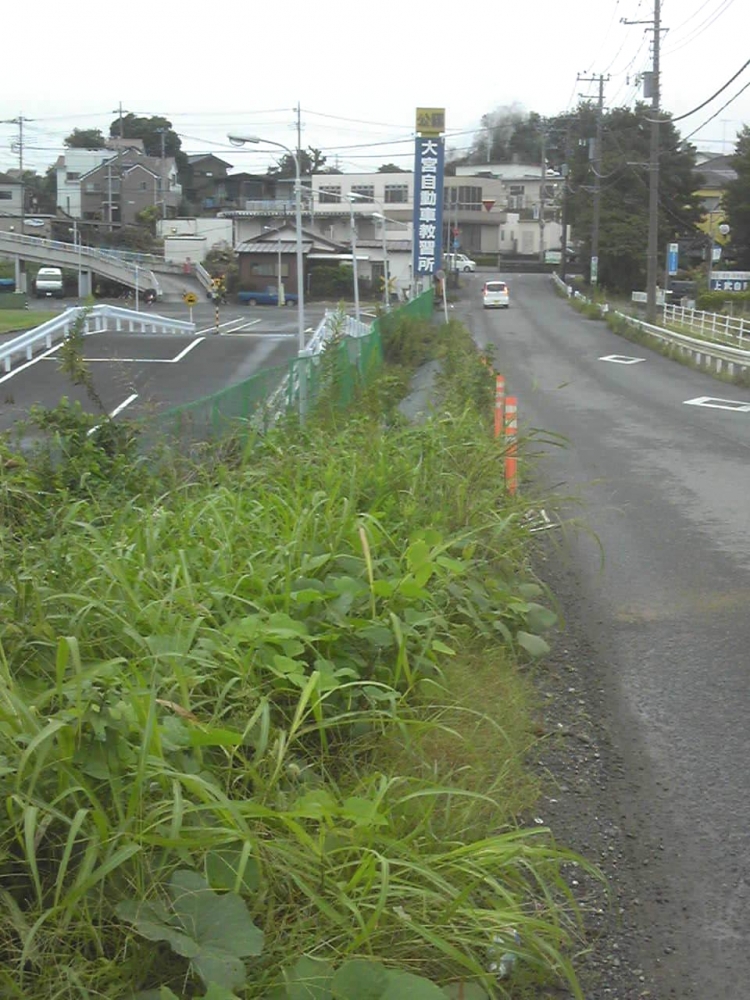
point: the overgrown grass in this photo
(290, 672)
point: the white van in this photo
(49, 283)
(495, 295)
(458, 262)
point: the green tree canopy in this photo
(736, 201)
(85, 138)
(311, 161)
(391, 168)
(623, 228)
(152, 130)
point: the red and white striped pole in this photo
(511, 444)
(499, 404)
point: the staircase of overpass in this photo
(134, 270)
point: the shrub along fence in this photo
(343, 362)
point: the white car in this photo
(495, 295)
(458, 262)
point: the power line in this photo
(711, 98)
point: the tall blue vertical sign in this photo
(428, 205)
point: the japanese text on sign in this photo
(428, 205)
(430, 121)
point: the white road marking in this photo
(621, 359)
(28, 364)
(719, 404)
(187, 350)
(113, 414)
(147, 361)
(121, 407)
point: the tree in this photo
(157, 134)
(311, 161)
(623, 223)
(86, 138)
(40, 192)
(736, 201)
(391, 168)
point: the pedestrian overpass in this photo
(137, 271)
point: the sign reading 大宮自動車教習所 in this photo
(428, 204)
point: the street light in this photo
(382, 217)
(280, 285)
(350, 198)
(240, 140)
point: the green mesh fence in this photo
(343, 365)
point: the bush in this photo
(329, 282)
(722, 302)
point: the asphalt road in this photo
(140, 374)
(660, 578)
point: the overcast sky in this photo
(357, 70)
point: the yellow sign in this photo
(430, 121)
(189, 298)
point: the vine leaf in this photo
(214, 931)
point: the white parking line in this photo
(28, 364)
(113, 414)
(146, 361)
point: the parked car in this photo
(495, 295)
(49, 283)
(270, 297)
(458, 262)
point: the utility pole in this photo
(652, 260)
(596, 158)
(542, 194)
(20, 122)
(163, 133)
(118, 111)
(565, 206)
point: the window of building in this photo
(516, 189)
(271, 270)
(92, 187)
(466, 197)
(396, 194)
(72, 176)
(329, 194)
(364, 192)
(6, 195)
(144, 185)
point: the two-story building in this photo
(118, 190)
(205, 189)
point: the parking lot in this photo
(137, 374)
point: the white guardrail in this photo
(722, 358)
(96, 320)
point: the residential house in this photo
(261, 259)
(70, 168)
(118, 190)
(10, 195)
(205, 189)
(713, 174)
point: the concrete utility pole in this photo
(565, 205)
(163, 134)
(20, 121)
(542, 195)
(596, 158)
(652, 259)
